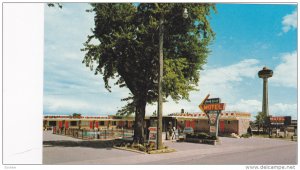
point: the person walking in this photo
(173, 133)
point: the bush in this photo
(150, 146)
(202, 136)
(142, 148)
(213, 138)
(246, 135)
(190, 136)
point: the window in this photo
(73, 123)
(52, 123)
(113, 123)
(101, 123)
(228, 122)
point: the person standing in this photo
(249, 130)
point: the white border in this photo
(23, 54)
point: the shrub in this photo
(202, 136)
(150, 146)
(246, 135)
(189, 136)
(213, 138)
(142, 148)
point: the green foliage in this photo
(127, 109)
(154, 114)
(201, 136)
(142, 148)
(246, 135)
(128, 48)
(76, 115)
(213, 138)
(151, 146)
(53, 5)
(261, 119)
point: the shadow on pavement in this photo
(91, 144)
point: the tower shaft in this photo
(265, 104)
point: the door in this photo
(91, 124)
(222, 126)
(66, 124)
(187, 123)
(193, 122)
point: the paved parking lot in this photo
(231, 151)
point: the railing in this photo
(97, 134)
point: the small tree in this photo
(76, 115)
(261, 121)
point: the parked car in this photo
(188, 130)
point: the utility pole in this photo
(160, 77)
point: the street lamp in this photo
(160, 77)
(185, 13)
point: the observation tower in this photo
(265, 73)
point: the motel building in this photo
(229, 122)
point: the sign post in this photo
(212, 108)
(153, 135)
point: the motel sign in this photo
(212, 108)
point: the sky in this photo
(248, 37)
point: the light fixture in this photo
(185, 13)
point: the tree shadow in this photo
(90, 144)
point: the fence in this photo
(97, 134)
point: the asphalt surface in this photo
(251, 151)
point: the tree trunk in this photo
(139, 122)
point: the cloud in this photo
(285, 74)
(233, 73)
(219, 82)
(69, 86)
(59, 104)
(85, 103)
(243, 105)
(223, 81)
(282, 109)
(254, 106)
(289, 22)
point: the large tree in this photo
(128, 50)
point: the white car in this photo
(188, 130)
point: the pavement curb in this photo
(150, 152)
(131, 150)
(162, 151)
